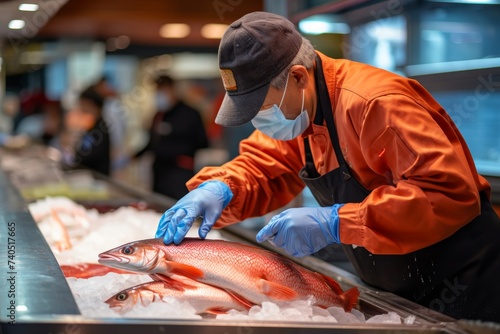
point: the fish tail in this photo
(350, 298)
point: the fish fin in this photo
(185, 270)
(277, 291)
(172, 283)
(216, 310)
(350, 298)
(245, 302)
(158, 277)
(331, 283)
(161, 278)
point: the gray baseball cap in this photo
(253, 51)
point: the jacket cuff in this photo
(352, 229)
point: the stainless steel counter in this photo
(35, 284)
(43, 302)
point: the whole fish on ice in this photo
(202, 297)
(249, 273)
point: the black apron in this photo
(458, 276)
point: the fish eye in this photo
(122, 296)
(127, 250)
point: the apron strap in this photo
(312, 172)
(324, 110)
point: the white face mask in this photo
(162, 101)
(273, 122)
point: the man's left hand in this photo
(303, 231)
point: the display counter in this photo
(37, 299)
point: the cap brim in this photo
(237, 110)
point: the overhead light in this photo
(175, 30)
(322, 24)
(122, 42)
(16, 24)
(28, 7)
(117, 43)
(213, 30)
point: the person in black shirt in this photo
(176, 133)
(92, 149)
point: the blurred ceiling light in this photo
(117, 43)
(213, 30)
(322, 24)
(122, 42)
(28, 7)
(175, 30)
(16, 24)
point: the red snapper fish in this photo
(249, 273)
(202, 297)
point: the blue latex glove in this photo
(207, 201)
(303, 231)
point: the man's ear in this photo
(300, 75)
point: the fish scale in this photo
(251, 274)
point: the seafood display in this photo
(101, 290)
(250, 274)
(60, 220)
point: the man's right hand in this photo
(207, 201)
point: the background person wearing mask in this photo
(176, 133)
(113, 113)
(86, 141)
(395, 180)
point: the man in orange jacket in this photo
(395, 180)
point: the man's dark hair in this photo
(93, 96)
(102, 79)
(164, 81)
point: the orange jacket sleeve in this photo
(263, 177)
(431, 188)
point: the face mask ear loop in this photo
(303, 100)
(283, 97)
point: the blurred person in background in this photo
(86, 143)
(38, 119)
(28, 119)
(114, 116)
(52, 123)
(176, 133)
(9, 109)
